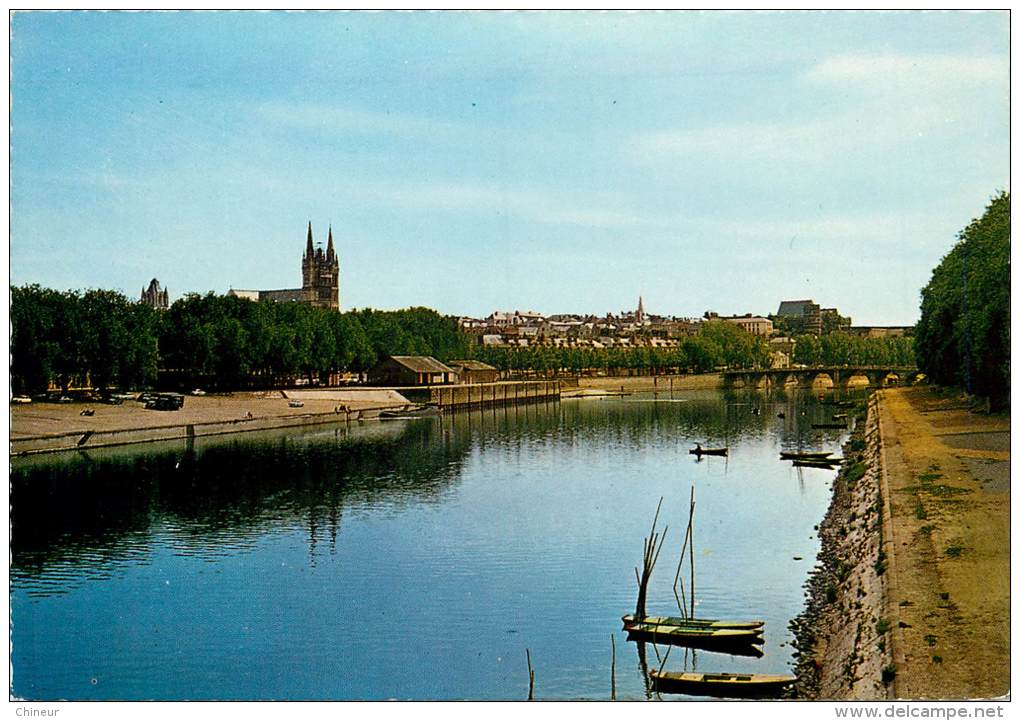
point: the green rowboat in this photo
(726, 685)
(829, 465)
(665, 633)
(679, 621)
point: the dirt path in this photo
(947, 478)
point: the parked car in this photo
(165, 402)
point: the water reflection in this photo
(91, 507)
(493, 530)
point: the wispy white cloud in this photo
(494, 199)
(884, 102)
(332, 118)
(854, 228)
(928, 73)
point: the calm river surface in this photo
(410, 559)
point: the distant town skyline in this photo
(565, 162)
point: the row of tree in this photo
(228, 342)
(104, 338)
(719, 344)
(699, 354)
(233, 342)
(66, 337)
(962, 337)
(841, 348)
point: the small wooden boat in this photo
(803, 456)
(668, 633)
(693, 622)
(410, 413)
(808, 463)
(838, 416)
(699, 451)
(841, 426)
(726, 685)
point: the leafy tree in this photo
(37, 353)
(807, 351)
(962, 337)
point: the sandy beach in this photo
(39, 427)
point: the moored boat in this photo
(699, 451)
(808, 463)
(726, 685)
(410, 413)
(841, 426)
(679, 621)
(803, 456)
(669, 633)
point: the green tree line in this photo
(841, 348)
(67, 336)
(962, 337)
(227, 342)
(219, 341)
(719, 344)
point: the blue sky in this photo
(562, 162)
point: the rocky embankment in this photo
(842, 637)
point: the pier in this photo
(480, 395)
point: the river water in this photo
(411, 559)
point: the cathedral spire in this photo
(329, 246)
(640, 315)
(309, 251)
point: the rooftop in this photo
(421, 364)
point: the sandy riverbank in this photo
(911, 595)
(49, 426)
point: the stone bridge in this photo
(821, 376)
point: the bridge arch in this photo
(820, 377)
(822, 380)
(859, 379)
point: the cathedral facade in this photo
(320, 279)
(155, 296)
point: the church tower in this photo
(320, 273)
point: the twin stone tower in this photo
(320, 279)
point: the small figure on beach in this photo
(248, 415)
(87, 412)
